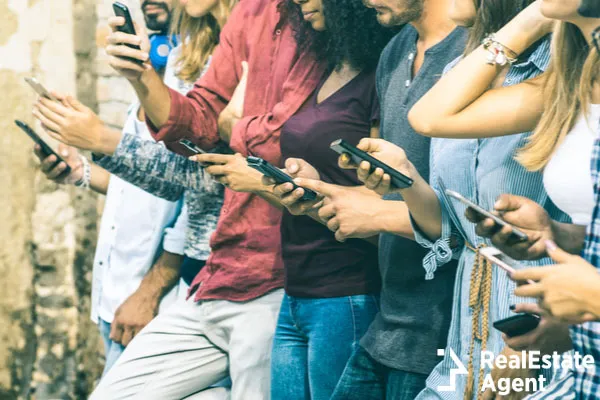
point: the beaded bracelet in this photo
(498, 52)
(85, 180)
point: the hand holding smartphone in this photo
(398, 179)
(278, 176)
(121, 10)
(518, 234)
(46, 149)
(517, 325)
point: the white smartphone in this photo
(500, 259)
(520, 235)
(40, 89)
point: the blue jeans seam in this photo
(354, 329)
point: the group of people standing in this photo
(351, 295)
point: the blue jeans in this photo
(313, 341)
(112, 350)
(366, 379)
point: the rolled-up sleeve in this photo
(148, 158)
(443, 250)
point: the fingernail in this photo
(64, 153)
(550, 245)
(192, 158)
(145, 55)
(512, 307)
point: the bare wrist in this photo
(109, 141)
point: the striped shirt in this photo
(480, 170)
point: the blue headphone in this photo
(160, 47)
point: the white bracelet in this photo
(85, 180)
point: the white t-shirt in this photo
(567, 177)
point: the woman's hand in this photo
(522, 213)
(232, 171)
(128, 62)
(74, 124)
(388, 153)
(567, 291)
(290, 198)
(54, 172)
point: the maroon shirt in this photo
(315, 263)
(246, 250)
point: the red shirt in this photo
(246, 247)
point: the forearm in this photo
(569, 237)
(154, 97)
(99, 179)
(424, 207)
(462, 104)
(393, 217)
(163, 276)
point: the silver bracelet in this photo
(85, 180)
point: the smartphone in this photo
(517, 325)
(520, 235)
(40, 89)
(121, 10)
(399, 180)
(278, 175)
(500, 259)
(191, 146)
(46, 149)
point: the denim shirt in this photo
(152, 167)
(480, 170)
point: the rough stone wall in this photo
(114, 93)
(48, 347)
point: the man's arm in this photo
(142, 306)
(172, 116)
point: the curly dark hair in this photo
(352, 33)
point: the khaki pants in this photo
(192, 346)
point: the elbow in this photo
(421, 122)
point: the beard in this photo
(413, 9)
(155, 22)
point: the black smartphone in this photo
(191, 146)
(517, 325)
(121, 10)
(399, 180)
(46, 149)
(520, 235)
(278, 175)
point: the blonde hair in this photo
(199, 37)
(567, 92)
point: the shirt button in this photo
(407, 82)
(411, 56)
(112, 227)
(278, 32)
(101, 263)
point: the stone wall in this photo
(49, 348)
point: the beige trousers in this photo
(192, 346)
